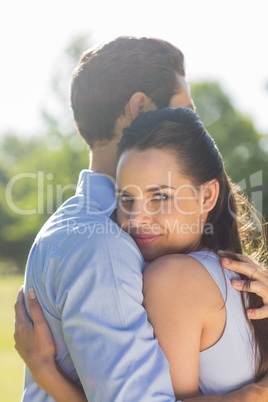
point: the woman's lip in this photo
(145, 239)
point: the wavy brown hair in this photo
(181, 132)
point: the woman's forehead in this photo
(151, 167)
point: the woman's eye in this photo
(125, 198)
(160, 197)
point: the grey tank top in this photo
(230, 363)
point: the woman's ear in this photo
(140, 103)
(210, 195)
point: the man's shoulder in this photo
(76, 215)
(93, 235)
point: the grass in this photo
(11, 367)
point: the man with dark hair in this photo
(86, 272)
(114, 83)
(108, 76)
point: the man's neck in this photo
(103, 159)
(103, 154)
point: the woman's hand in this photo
(33, 339)
(258, 284)
(35, 344)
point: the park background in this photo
(225, 47)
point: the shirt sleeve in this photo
(98, 293)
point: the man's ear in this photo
(210, 195)
(139, 103)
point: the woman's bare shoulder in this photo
(174, 266)
(183, 276)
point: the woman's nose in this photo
(139, 216)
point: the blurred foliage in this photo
(38, 174)
(11, 369)
(35, 181)
(244, 149)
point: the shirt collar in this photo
(98, 188)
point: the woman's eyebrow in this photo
(118, 190)
(149, 188)
(157, 188)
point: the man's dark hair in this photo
(107, 77)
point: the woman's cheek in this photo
(122, 218)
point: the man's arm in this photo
(253, 392)
(258, 284)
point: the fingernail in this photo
(32, 294)
(250, 313)
(237, 282)
(226, 261)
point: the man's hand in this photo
(258, 284)
(33, 340)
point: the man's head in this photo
(124, 78)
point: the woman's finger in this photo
(33, 338)
(23, 323)
(258, 281)
(242, 257)
(253, 287)
(20, 312)
(258, 313)
(22, 320)
(35, 308)
(261, 290)
(251, 270)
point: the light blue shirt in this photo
(87, 274)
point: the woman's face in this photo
(158, 206)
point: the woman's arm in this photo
(35, 345)
(184, 306)
(57, 385)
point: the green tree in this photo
(38, 174)
(240, 144)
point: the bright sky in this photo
(221, 40)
